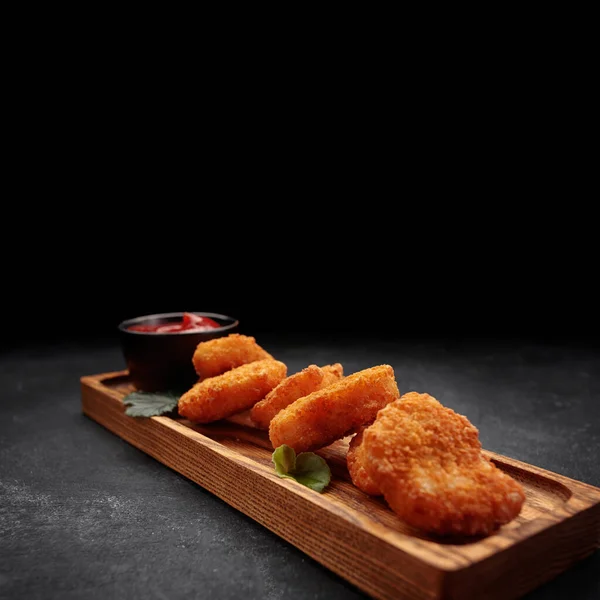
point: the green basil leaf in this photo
(150, 404)
(284, 459)
(307, 468)
(312, 471)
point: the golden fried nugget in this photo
(332, 373)
(356, 466)
(234, 391)
(298, 385)
(329, 414)
(427, 461)
(217, 356)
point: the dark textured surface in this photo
(85, 515)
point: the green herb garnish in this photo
(307, 468)
(150, 404)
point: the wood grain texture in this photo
(357, 536)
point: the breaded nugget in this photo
(427, 461)
(234, 391)
(329, 414)
(298, 385)
(217, 356)
(332, 373)
(356, 466)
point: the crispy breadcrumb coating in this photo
(329, 414)
(331, 374)
(356, 466)
(427, 461)
(217, 356)
(298, 385)
(234, 391)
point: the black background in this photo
(338, 268)
(467, 228)
(461, 211)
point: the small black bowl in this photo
(160, 362)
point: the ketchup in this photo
(190, 322)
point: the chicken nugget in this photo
(329, 414)
(234, 391)
(356, 466)
(427, 461)
(298, 385)
(332, 373)
(217, 356)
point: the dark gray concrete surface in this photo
(85, 515)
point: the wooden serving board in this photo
(357, 536)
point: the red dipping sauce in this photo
(190, 322)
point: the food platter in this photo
(355, 535)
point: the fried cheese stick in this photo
(234, 391)
(217, 356)
(298, 385)
(329, 414)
